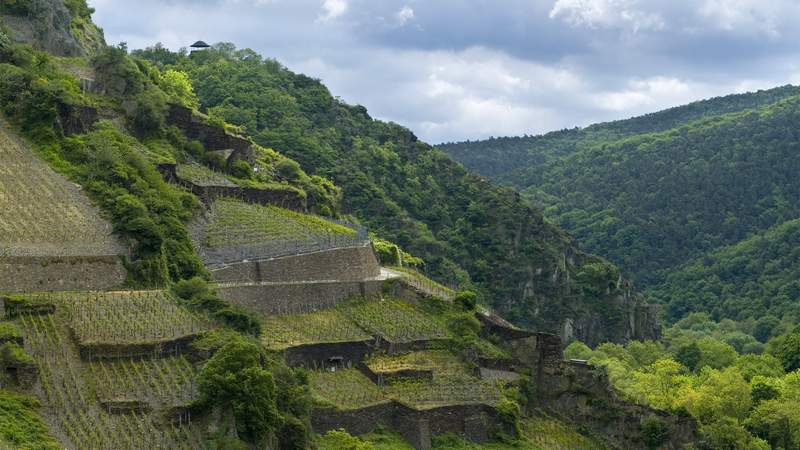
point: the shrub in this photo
(509, 413)
(467, 300)
(235, 379)
(654, 432)
(288, 169)
(149, 112)
(578, 350)
(215, 160)
(176, 84)
(293, 434)
(241, 169)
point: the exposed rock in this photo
(48, 26)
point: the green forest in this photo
(705, 369)
(695, 203)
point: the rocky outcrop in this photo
(213, 138)
(48, 25)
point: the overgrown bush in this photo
(235, 379)
(654, 432)
(197, 293)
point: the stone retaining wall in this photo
(344, 264)
(295, 298)
(283, 198)
(55, 273)
(474, 422)
(326, 355)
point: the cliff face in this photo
(562, 290)
(51, 26)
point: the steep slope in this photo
(62, 28)
(653, 202)
(465, 228)
(756, 277)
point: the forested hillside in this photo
(671, 201)
(465, 229)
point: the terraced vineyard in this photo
(236, 223)
(131, 317)
(282, 332)
(43, 213)
(202, 176)
(554, 435)
(442, 362)
(345, 389)
(163, 382)
(443, 391)
(395, 320)
(70, 406)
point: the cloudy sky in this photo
(467, 69)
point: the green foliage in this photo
(149, 112)
(739, 404)
(654, 432)
(177, 85)
(241, 169)
(341, 440)
(13, 355)
(577, 350)
(697, 203)
(390, 254)
(789, 351)
(197, 293)
(288, 169)
(15, 7)
(9, 332)
(20, 424)
(466, 300)
(404, 190)
(235, 379)
(117, 74)
(509, 414)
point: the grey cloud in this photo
(463, 69)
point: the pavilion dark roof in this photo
(200, 44)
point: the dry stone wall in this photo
(474, 422)
(299, 297)
(51, 273)
(345, 264)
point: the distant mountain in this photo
(657, 192)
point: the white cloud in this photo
(648, 93)
(405, 14)
(333, 9)
(626, 14)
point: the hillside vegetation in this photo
(681, 199)
(466, 230)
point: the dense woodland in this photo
(698, 213)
